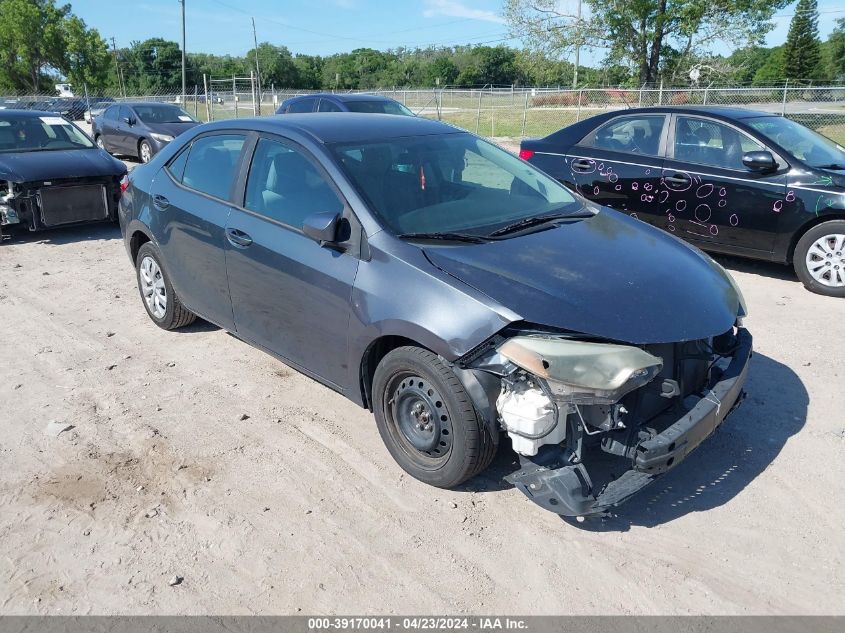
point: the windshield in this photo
(163, 114)
(378, 107)
(802, 142)
(449, 183)
(38, 134)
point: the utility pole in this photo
(182, 2)
(117, 73)
(577, 46)
(257, 70)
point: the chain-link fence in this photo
(493, 112)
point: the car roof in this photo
(345, 97)
(340, 127)
(724, 112)
(20, 115)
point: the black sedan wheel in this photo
(819, 259)
(427, 420)
(160, 300)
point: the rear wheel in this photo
(160, 300)
(819, 259)
(145, 151)
(427, 420)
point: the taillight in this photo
(525, 154)
(124, 183)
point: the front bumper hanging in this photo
(555, 484)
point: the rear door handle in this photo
(238, 238)
(582, 164)
(160, 202)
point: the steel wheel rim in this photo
(146, 153)
(153, 288)
(825, 260)
(419, 419)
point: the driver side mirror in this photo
(322, 227)
(129, 120)
(759, 161)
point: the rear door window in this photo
(631, 134)
(211, 166)
(328, 106)
(303, 105)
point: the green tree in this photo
(801, 52)
(641, 32)
(31, 41)
(275, 65)
(309, 71)
(153, 66)
(771, 72)
(87, 58)
(836, 48)
(747, 61)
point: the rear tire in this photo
(427, 420)
(160, 300)
(819, 259)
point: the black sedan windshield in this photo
(163, 114)
(451, 183)
(40, 133)
(802, 142)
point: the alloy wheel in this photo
(826, 260)
(153, 288)
(146, 153)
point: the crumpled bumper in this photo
(567, 489)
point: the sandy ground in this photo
(192, 454)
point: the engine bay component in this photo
(580, 371)
(529, 416)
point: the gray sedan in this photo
(140, 129)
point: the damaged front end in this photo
(594, 422)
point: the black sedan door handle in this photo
(161, 202)
(581, 164)
(238, 238)
(677, 179)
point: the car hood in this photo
(56, 165)
(608, 276)
(173, 129)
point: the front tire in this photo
(160, 300)
(145, 151)
(427, 420)
(819, 259)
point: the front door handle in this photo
(677, 179)
(238, 238)
(160, 202)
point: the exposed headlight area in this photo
(161, 138)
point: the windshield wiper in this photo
(536, 221)
(450, 237)
(831, 166)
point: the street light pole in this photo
(182, 2)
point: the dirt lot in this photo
(192, 454)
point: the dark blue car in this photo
(459, 293)
(331, 102)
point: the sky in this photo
(330, 26)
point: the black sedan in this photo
(456, 291)
(140, 129)
(728, 180)
(347, 102)
(52, 174)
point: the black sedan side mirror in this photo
(321, 227)
(759, 161)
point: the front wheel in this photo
(427, 420)
(100, 143)
(819, 259)
(160, 300)
(145, 151)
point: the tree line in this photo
(646, 41)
